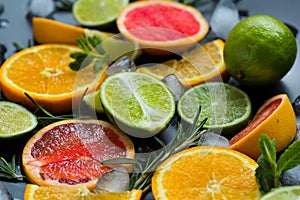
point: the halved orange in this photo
(50, 31)
(206, 172)
(203, 63)
(35, 192)
(276, 118)
(70, 152)
(42, 71)
(162, 27)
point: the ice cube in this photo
(175, 85)
(124, 64)
(41, 8)
(225, 16)
(114, 180)
(213, 139)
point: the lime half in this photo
(137, 103)
(227, 108)
(97, 12)
(283, 193)
(92, 100)
(15, 120)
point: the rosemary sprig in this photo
(92, 52)
(143, 168)
(9, 170)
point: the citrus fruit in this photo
(42, 71)
(162, 27)
(283, 193)
(259, 51)
(69, 152)
(276, 118)
(137, 103)
(227, 108)
(97, 12)
(35, 192)
(204, 63)
(50, 31)
(15, 120)
(206, 173)
(93, 101)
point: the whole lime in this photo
(259, 50)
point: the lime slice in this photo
(97, 12)
(92, 100)
(283, 193)
(227, 108)
(15, 120)
(137, 103)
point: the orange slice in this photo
(206, 173)
(35, 192)
(162, 27)
(276, 118)
(50, 31)
(204, 63)
(43, 72)
(69, 152)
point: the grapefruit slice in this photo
(69, 152)
(162, 27)
(276, 118)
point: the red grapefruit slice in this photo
(70, 152)
(162, 27)
(276, 118)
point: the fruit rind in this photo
(278, 126)
(163, 48)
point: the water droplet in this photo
(4, 23)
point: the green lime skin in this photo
(259, 51)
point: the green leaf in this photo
(264, 175)
(290, 157)
(268, 150)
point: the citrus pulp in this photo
(35, 192)
(206, 173)
(137, 103)
(162, 27)
(276, 118)
(97, 12)
(43, 73)
(69, 152)
(283, 193)
(201, 64)
(15, 120)
(227, 108)
(259, 51)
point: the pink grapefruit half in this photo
(162, 27)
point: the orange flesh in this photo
(71, 156)
(175, 23)
(258, 119)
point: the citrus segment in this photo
(275, 118)
(227, 108)
(139, 104)
(206, 173)
(15, 120)
(283, 193)
(69, 153)
(162, 27)
(259, 50)
(97, 12)
(42, 71)
(201, 64)
(35, 192)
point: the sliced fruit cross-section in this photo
(69, 152)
